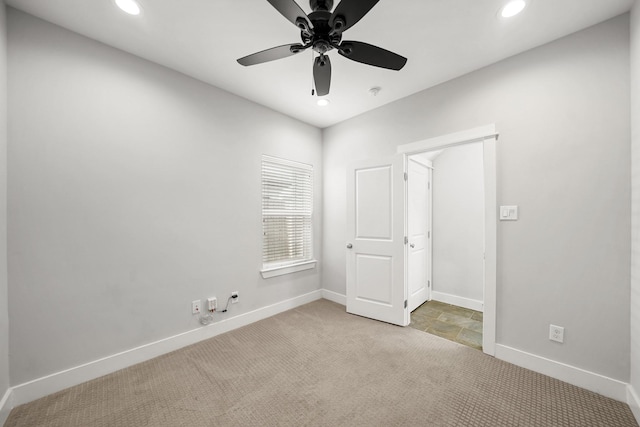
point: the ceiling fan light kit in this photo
(321, 31)
(129, 6)
(512, 8)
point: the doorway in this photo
(487, 137)
(450, 210)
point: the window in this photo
(287, 208)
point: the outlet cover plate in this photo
(556, 333)
(196, 307)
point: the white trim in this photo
(44, 386)
(490, 295)
(41, 387)
(633, 400)
(471, 304)
(287, 269)
(426, 163)
(334, 296)
(6, 405)
(287, 162)
(488, 136)
(478, 134)
(591, 381)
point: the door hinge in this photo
(428, 283)
(428, 234)
(405, 303)
(428, 186)
(406, 240)
(406, 176)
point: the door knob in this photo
(412, 245)
(349, 245)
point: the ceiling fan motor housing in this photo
(324, 36)
(321, 4)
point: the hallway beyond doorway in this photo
(454, 323)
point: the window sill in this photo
(287, 269)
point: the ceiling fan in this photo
(322, 31)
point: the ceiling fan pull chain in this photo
(313, 90)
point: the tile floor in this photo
(458, 324)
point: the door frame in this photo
(488, 136)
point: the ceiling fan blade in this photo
(351, 12)
(274, 53)
(290, 10)
(322, 74)
(371, 55)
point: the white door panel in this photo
(418, 224)
(374, 198)
(375, 232)
(373, 273)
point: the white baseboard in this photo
(591, 381)
(44, 386)
(633, 400)
(41, 387)
(471, 304)
(334, 296)
(6, 405)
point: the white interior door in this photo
(375, 240)
(419, 233)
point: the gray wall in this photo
(635, 129)
(458, 222)
(4, 307)
(562, 111)
(133, 190)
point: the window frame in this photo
(286, 265)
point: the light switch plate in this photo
(508, 213)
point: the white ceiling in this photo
(442, 39)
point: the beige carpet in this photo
(318, 366)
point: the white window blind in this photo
(287, 208)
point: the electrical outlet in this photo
(212, 304)
(234, 297)
(195, 307)
(556, 333)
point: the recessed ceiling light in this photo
(323, 102)
(130, 6)
(513, 8)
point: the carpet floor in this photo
(319, 366)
